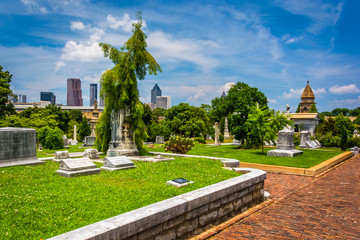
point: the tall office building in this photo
(48, 96)
(154, 93)
(163, 102)
(74, 93)
(23, 98)
(93, 93)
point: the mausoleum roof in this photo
(304, 116)
(308, 93)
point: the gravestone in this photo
(217, 134)
(285, 146)
(226, 130)
(160, 139)
(236, 142)
(89, 141)
(266, 143)
(61, 155)
(18, 147)
(77, 167)
(305, 136)
(275, 142)
(317, 142)
(91, 153)
(122, 142)
(355, 150)
(271, 143)
(65, 140)
(310, 144)
(117, 163)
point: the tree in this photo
(84, 129)
(5, 92)
(119, 85)
(263, 124)
(345, 127)
(313, 108)
(187, 120)
(357, 120)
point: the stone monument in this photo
(305, 136)
(121, 142)
(117, 163)
(217, 134)
(285, 146)
(91, 153)
(18, 147)
(160, 139)
(89, 141)
(77, 167)
(226, 130)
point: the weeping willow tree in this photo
(119, 85)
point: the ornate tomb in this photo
(121, 143)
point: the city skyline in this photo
(276, 46)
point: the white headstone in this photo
(285, 146)
(77, 167)
(117, 163)
(217, 134)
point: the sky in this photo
(203, 47)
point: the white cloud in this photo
(33, 7)
(320, 13)
(287, 39)
(225, 87)
(77, 25)
(319, 91)
(124, 23)
(83, 52)
(59, 65)
(293, 93)
(347, 103)
(351, 88)
(167, 48)
(272, 100)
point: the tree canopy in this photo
(119, 84)
(5, 92)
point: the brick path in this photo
(327, 207)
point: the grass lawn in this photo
(36, 203)
(308, 159)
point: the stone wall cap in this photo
(16, 129)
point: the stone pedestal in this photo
(117, 163)
(89, 141)
(285, 146)
(122, 143)
(226, 130)
(160, 139)
(77, 167)
(217, 135)
(18, 147)
(305, 136)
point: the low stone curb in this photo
(313, 171)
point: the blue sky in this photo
(202, 46)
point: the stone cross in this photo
(217, 133)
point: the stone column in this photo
(74, 137)
(226, 131)
(217, 133)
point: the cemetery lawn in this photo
(308, 159)
(36, 203)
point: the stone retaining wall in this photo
(182, 216)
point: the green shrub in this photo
(178, 144)
(41, 134)
(354, 141)
(53, 139)
(297, 139)
(200, 140)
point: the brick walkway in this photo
(327, 207)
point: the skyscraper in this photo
(93, 93)
(74, 93)
(154, 93)
(163, 102)
(48, 96)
